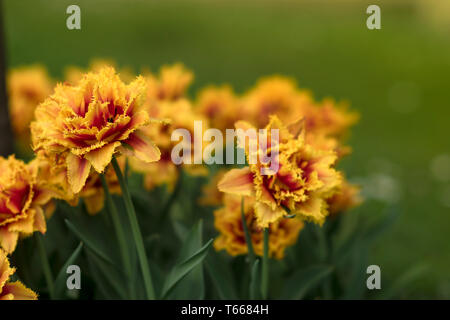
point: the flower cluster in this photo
(307, 184)
(166, 99)
(326, 122)
(86, 124)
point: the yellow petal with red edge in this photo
(101, 157)
(19, 196)
(314, 209)
(8, 240)
(5, 270)
(265, 214)
(138, 120)
(17, 291)
(6, 297)
(39, 220)
(25, 224)
(143, 148)
(77, 172)
(43, 195)
(264, 195)
(237, 181)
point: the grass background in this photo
(326, 46)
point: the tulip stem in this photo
(265, 266)
(126, 171)
(142, 256)
(168, 205)
(120, 233)
(45, 265)
(324, 256)
(248, 238)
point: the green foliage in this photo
(93, 244)
(303, 280)
(220, 273)
(254, 281)
(60, 282)
(189, 263)
(327, 262)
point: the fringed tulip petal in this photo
(238, 182)
(143, 148)
(17, 291)
(100, 158)
(8, 240)
(77, 171)
(266, 215)
(39, 220)
(314, 209)
(12, 290)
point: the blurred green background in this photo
(396, 77)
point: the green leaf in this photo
(221, 275)
(298, 285)
(355, 274)
(60, 282)
(255, 281)
(107, 277)
(180, 230)
(91, 243)
(182, 269)
(192, 242)
(248, 238)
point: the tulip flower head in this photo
(305, 179)
(88, 123)
(23, 200)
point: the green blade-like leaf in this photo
(183, 269)
(60, 282)
(221, 275)
(255, 281)
(89, 242)
(180, 230)
(298, 285)
(192, 241)
(106, 276)
(355, 274)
